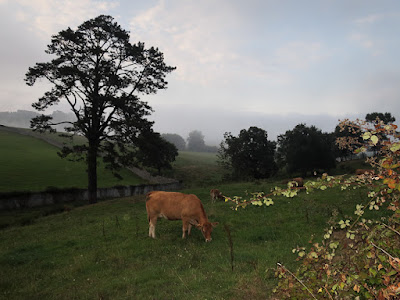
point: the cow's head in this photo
(206, 229)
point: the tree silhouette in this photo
(305, 149)
(249, 155)
(100, 75)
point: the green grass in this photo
(197, 169)
(102, 251)
(30, 164)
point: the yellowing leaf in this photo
(395, 147)
(366, 135)
(374, 139)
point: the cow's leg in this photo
(152, 227)
(185, 225)
(189, 228)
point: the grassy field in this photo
(102, 251)
(30, 164)
(197, 169)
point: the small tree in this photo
(196, 141)
(305, 149)
(175, 139)
(99, 74)
(249, 155)
(155, 151)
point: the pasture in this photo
(102, 251)
(197, 169)
(30, 164)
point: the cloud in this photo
(363, 40)
(44, 18)
(198, 45)
(368, 20)
(299, 54)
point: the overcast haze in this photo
(271, 64)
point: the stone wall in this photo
(9, 201)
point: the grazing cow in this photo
(365, 172)
(178, 206)
(299, 181)
(215, 194)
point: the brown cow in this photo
(299, 181)
(215, 194)
(178, 206)
(365, 171)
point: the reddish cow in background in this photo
(178, 206)
(215, 194)
(365, 172)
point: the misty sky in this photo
(271, 64)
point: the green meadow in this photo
(103, 251)
(31, 164)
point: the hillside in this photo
(30, 164)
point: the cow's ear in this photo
(214, 224)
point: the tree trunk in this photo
(92, 172)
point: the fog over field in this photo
(271, 64)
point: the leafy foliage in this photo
(155, 151)
(376, 117)
(195, 141)
(249, 155)
(305, 149)
(352, 135)
(99, 74)
(175, 139)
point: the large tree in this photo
(249, 155)
(100, 75)
(305, 149)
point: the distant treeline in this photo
(22, 118)
(195, 142)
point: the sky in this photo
(266, 63)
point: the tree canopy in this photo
(306, 149)
(249, 155)
(155, 151)
(100, 75)
(175, 139)
(385, 117)
(195, 141)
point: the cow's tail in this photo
(148, 195)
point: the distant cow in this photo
(365, 171)
(215, 194)
(178, 206)
(299, 181)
